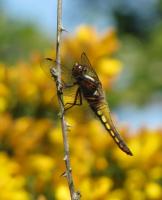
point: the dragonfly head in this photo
(78, 70)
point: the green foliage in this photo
(142, 75)
(18, 39)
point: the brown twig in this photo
(57, 75)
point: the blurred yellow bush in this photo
(31, 156)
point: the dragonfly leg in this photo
(78, 96)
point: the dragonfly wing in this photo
(90, 70)
(66, 75)
(46, 65)
(69, 94)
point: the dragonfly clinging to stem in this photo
(88, 85)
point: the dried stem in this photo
(74, 195)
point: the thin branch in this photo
(74, 195)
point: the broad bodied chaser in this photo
(88, 85)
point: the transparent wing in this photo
(90, 70)
(46, 64)
(69, 94)
(66, 76)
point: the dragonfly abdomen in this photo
(107, 122)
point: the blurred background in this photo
(123, 40)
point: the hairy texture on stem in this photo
(74, 195)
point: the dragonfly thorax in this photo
(78, 71)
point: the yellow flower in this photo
(137, 194)
(108, 43)
(62, 193)
(109, 67)
(28, 91)
(117, 194)
(152, 144)
(55, 136)
(4, 91)
(135, 179)
(94, 189)
(22, 124)
(93, 43)
(5, 123)
(101, 188)
(155, 173)
(153, 191)
(3, 104)
(12, 184)
(86, 34)
(41, 163)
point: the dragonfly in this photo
(87, 85)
